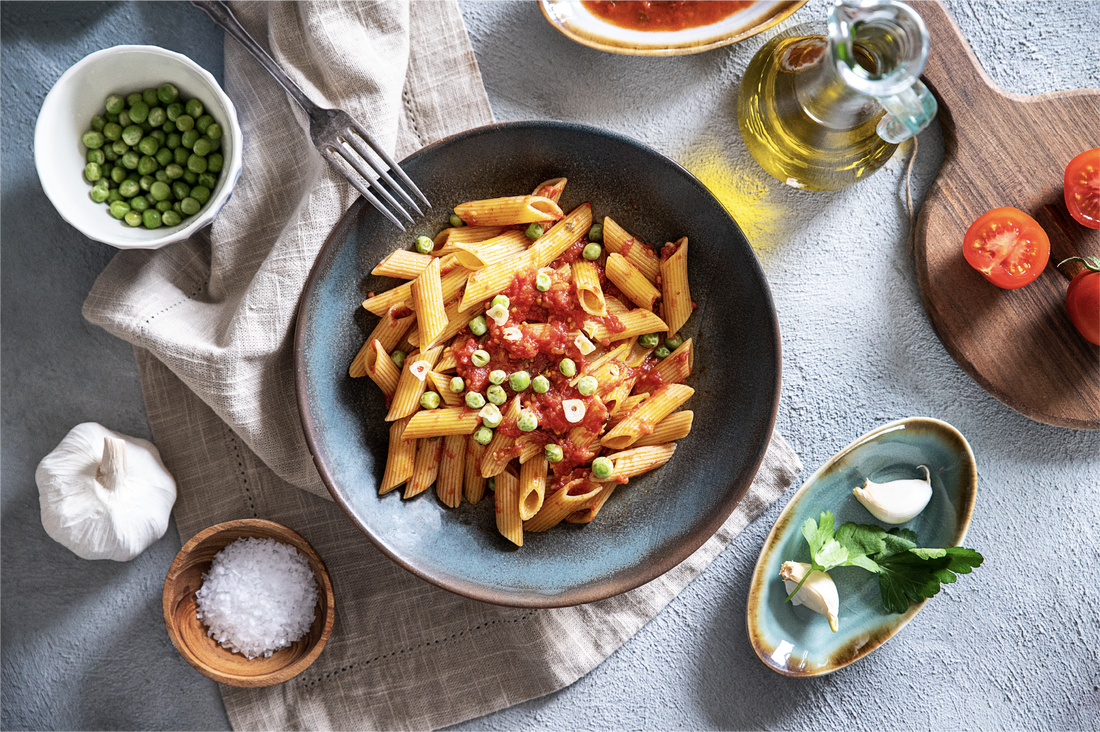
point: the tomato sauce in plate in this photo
(664, 15)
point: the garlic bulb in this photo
(818, 592)
(897, 501)
(104, 495)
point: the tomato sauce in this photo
(664, 15)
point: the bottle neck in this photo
(825, 96)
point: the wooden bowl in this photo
(189, 635)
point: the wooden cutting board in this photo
(1004, 149)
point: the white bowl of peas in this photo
(137, 147)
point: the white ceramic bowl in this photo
(66, 114)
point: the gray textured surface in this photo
(1012, 646)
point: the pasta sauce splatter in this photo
(664, 15)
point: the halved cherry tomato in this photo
(1083, 188)
(1007, 246)
(1083, 298)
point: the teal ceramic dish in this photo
(795, 641)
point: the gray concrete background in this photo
(1013, 646)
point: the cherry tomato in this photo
(1083, 188)
(1007, 246)
(1083, 298)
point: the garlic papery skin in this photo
(818, 592)
(104, 495)
(897, 501)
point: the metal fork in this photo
(335, 133)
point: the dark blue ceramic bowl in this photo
(649, 525)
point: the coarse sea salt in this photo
(258, 597)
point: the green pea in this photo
(119, 209)
(215, 144)
(196, 164)
(201, 147)
(167, 93)
(534, 231)
(674, 342)
(181, 154)
(173, 111)
(115, 104)
(174, 140)
(456, 221)
(124, 119)
(483, 436)
(159, 136)
(151, 218)
(112, 131)
(149, 96)
(649, 340)
(497, 376)
(190, 206)
(118, 174)
(203, 122)
(491, 416)
(159, 191)
(595, 233)
(157, 117)
(132, 218)
(147, 165)
(129, 188)
(168, 127)
(119, 147)
(592, 252)
(185, 122)
(170, 218)
(602, 467)
(163, 206)
(96, 156)
(99, 193)
(429, 400)
(519, 380)
(587, 385)
(496, 395)
(132, 99)
(214, 162)
(542, 282)
(200, 194)
(173, 171)
(92, 139)
(98, 122)
(164, 156)
(190, 179)
(208, 180)
(662, 352)
(113, 196)
(554, 453)
(474, 400)
(540, 384)
(161, 176)
(132, 135)
(458, 384)
(189, 138)
(478, 326)
(148, 145)
(479, 357)
(567, 367)
(527, 421)
(501, 300)
(131, 159)
(145, 126)
(146, 182)
(397, 356)
(424, 244)
(180, 190)
(139, 112)
(110, 154)
(194, 108)
(176, 208)
(139, 203)
(491, 484)
(111, 117)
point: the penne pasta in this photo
(439, 422)
(532, 486)
(457, 319)
(478, 255)
(571, 497)
(673, 427)
(586, 278)
(446, 240)
(426, 467)
(452, 469)
(447, 361)
(395, 322)
(561, 236)
(637, 460)
(635, 323)
(676, 297)
(399, 459)
(501, 450)
(506, 498)
(442, 386)
(631, 281)
(374, 362)
(617, 240)
(587, 513)
(508, 210)
(427, 294)
(551, 189)
(473, 483)
(662, 402)
(677, 365)
(410, 386)
(402, 294)
(530, 449)
(402, 264)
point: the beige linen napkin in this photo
(211, 320)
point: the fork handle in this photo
(223, 16)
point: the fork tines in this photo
(367, 166)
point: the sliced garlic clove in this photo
(818, 592)
(897, 501)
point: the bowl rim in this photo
(643, 573)
(785, 9)
(324, 588)
(232, 170)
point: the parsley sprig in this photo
(907, 573)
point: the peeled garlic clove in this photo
(897, 501)
(818, 592)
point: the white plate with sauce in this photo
(638, 28)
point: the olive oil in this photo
(802, 123)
